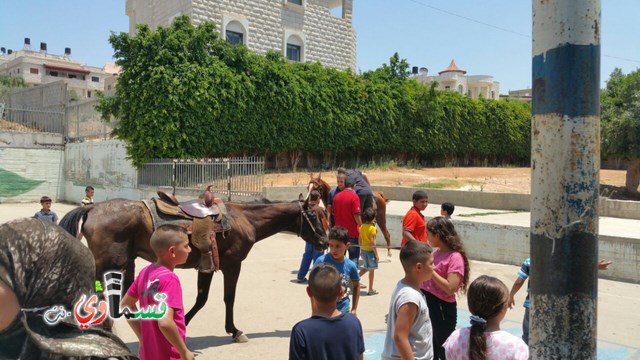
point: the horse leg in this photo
(381, 219)
(204, 284)
(231, 275)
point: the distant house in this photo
(303, 30)
(455, 79)
(522, 95)
(42, 67)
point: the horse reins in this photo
(304, 214)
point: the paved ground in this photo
(269, 304)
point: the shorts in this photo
(369, 260)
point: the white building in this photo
(42, 67)
(303, 30)
(454, 79)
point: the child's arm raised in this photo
(406, 315)
(130, 302)
(170, 331)
(450, 284)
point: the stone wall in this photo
(328, 39)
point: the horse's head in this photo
(311, 226)
(320, 186)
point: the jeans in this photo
(525, 326)
(309, 254)
(354, 251)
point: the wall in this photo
(30, 166)
(328, 39)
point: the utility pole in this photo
(565, 160)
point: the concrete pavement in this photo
(268, 304)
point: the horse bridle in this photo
(305, 215)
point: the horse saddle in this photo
(207, 216)
(197, 208)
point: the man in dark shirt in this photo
(362, 187)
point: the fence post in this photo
(228, 179)
(173, 177)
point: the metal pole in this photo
(228, 170)
(173, 177)
(565, 160)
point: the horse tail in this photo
(70, 221)
(386, 199)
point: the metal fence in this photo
(84, 121)
(240, 176)
(23, 118)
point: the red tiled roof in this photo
(452, 68)
(67, 68)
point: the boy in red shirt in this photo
(413, 225)
(346, 211)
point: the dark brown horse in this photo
(118, 231)
(380, 200)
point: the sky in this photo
(490, 37)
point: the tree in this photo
(9, 82)
(620, 114)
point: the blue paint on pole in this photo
(566, 80)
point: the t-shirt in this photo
(446, 263)
(87, 201)
(345, 205)
(349, 272)
(414, 222)
(155, 279)
(367, 232)
(362, 187)
(500, 346)
(421, 334)
(46, 216)
(523, 274)
(321, 338)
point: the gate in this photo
(239, 176)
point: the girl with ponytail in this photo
(488, 300)
(451, 276)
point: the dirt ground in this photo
(506, 180)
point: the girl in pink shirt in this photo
(450, 276)
(488, 300)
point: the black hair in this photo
(414, 252)
(339, 233)
(448, 207)
(325, 283)
(89, 188)
(45, 199)
(368, 215)
(419, 195)
(349, 182)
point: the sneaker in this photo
(302, 281)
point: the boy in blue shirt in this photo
(45, 213)
(328, 333)
(338, 245)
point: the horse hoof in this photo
(240, 338)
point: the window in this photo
(18, 71)
(293, 52)
(95, 79)
(297, 2)
(88, 93)
(34, 71)
(447, 87)
(72, 76)
(53, 73)
(460, 89)
(234, 38)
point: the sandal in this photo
(372, 292)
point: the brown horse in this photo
(118, 231)
(378, 196)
